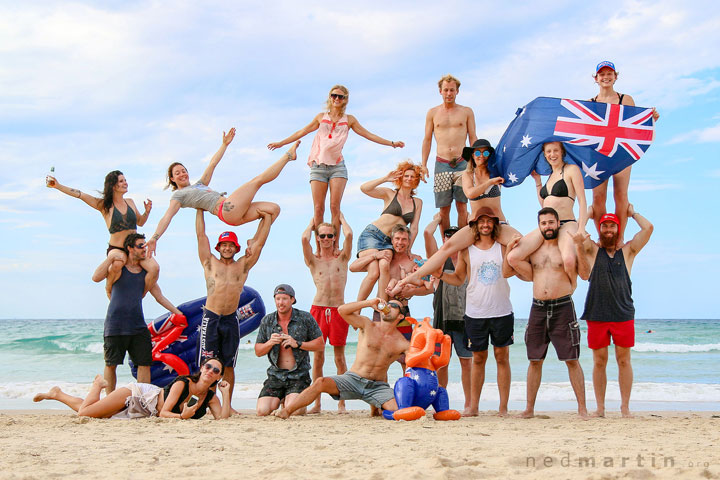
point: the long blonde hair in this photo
(329, 103)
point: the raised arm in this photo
(256, 244)
(221, 412)
(346, 252)
(93, 202)
(429, 236)
(577, 181)
(458, 276)
(208, 173)
(163, 224)
(585, 250)
(350, 312)
(204, 252)
(360, 130)
(372, 188)
(643, 236)
(142, 219)
(427, 142)
(538, 185)
(160, 298)
(415, 222)
(306, 247)
(310, 127)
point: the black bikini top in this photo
(394, 208)
(118, 222)
(620, 97)
(559, 188)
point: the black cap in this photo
(450, 231)
(286, 289)
(480, 142)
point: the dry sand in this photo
(554, 446)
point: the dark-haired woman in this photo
(187, 397)
(235, 209)
(121, 217)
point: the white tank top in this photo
(488, 292)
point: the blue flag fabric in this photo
(600, 138)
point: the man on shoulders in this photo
(451, 124)
(286, 336)
(225, 278)
(125, 329)
(329, 272)
(609, 309)
(552, 315)
(379, 344)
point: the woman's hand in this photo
(148, 206)
(228, 138)
(497, 180)
(275, 145)
(188, 412)
(151, 245)
(397, 144)
(392, 176)
(51, 182)
(224, 387)
(536, 176)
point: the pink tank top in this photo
(329, 141)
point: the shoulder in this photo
(302, 315)
(628, 100)
(268, 319)
(467, 110)
(351, 118)
(431, 113)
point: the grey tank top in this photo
(197, 195)
(609, 295)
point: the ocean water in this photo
(677, 367)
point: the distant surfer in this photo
(609, 308)
(225, 278)
(329, 273)
(125, 329)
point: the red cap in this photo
(610, 217)
(227, 237)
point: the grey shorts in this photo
(325, 173)
(354, 387)
(447, 185)
(460, 342)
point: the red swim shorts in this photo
(331, 325)
(600, 333)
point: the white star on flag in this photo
(433, 393)
(512, 177)
(592, 172)
(526, 141)
(416, 377)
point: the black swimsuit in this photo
(620, 96)
(559, 188)
(177, 408)
(120, 222)
(394, 208)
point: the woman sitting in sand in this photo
(187, 397)
(236, 209)
(327, 165)
(121, 217)
(374, 244)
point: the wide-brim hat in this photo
(480, 142)
(486, 211)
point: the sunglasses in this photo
(142, 245)
(215, 370)
(484, 153)
(337, 96)
(449, 234)
(327, 235)
(395, 305)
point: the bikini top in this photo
(492, 192)
(177, 408)
(394, 208)
(620, 97)
(120, 222)
(559, 188)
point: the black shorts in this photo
(138, 346)
(553, 321)
(274, 387)
(500, 331)
(113, 247)
(219, 337)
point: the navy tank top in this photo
(125, 313)
(609, 296)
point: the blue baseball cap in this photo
(603, 64)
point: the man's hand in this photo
(631, 210)
(425, 173)
(276, 338)
(384, 254)
(513, 242)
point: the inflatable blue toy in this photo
(175, 338)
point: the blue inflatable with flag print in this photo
(175, 338)
(600, 138)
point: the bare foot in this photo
(626, 413)
(292, 153)
(341, 407)
(527, 414)
(470, 412)
(582, 413)
(374, 411)
(503, 413)
(598, 413)
(50, 395)
(315, 409)
(283, 413)
(234, 412)
(100, 381)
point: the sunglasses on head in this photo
(338, 96)
(215, 370)
(484, 153)
(326, 235)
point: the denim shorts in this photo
(325, 173)
(373, 238)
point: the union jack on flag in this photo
(600, 138)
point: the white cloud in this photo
(640, 185)
(700, 135)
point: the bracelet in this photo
(392, 144)
(79, 194)
(538, 185)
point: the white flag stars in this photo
(512, 177)
(592, 172)
(526, 141)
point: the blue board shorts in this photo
(219, 337)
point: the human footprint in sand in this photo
(235, 209)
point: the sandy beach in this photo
(58, 444)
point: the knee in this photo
(479, 360)
(319, 356)
(319, 208)
(373, 271)
(383, 266)
(623, 362)
(601, 362)
(273, 209)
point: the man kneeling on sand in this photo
(379, 345)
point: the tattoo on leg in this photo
(227, 206)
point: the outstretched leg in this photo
(441, 405)
(92, 406)
(237, 209)
(56, 394)
(307, 396)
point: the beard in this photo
(608, 241)
(550, 234)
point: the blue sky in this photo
(92, 87)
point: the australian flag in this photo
(600, 138)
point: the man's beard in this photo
(550, 234)
(608, 241)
